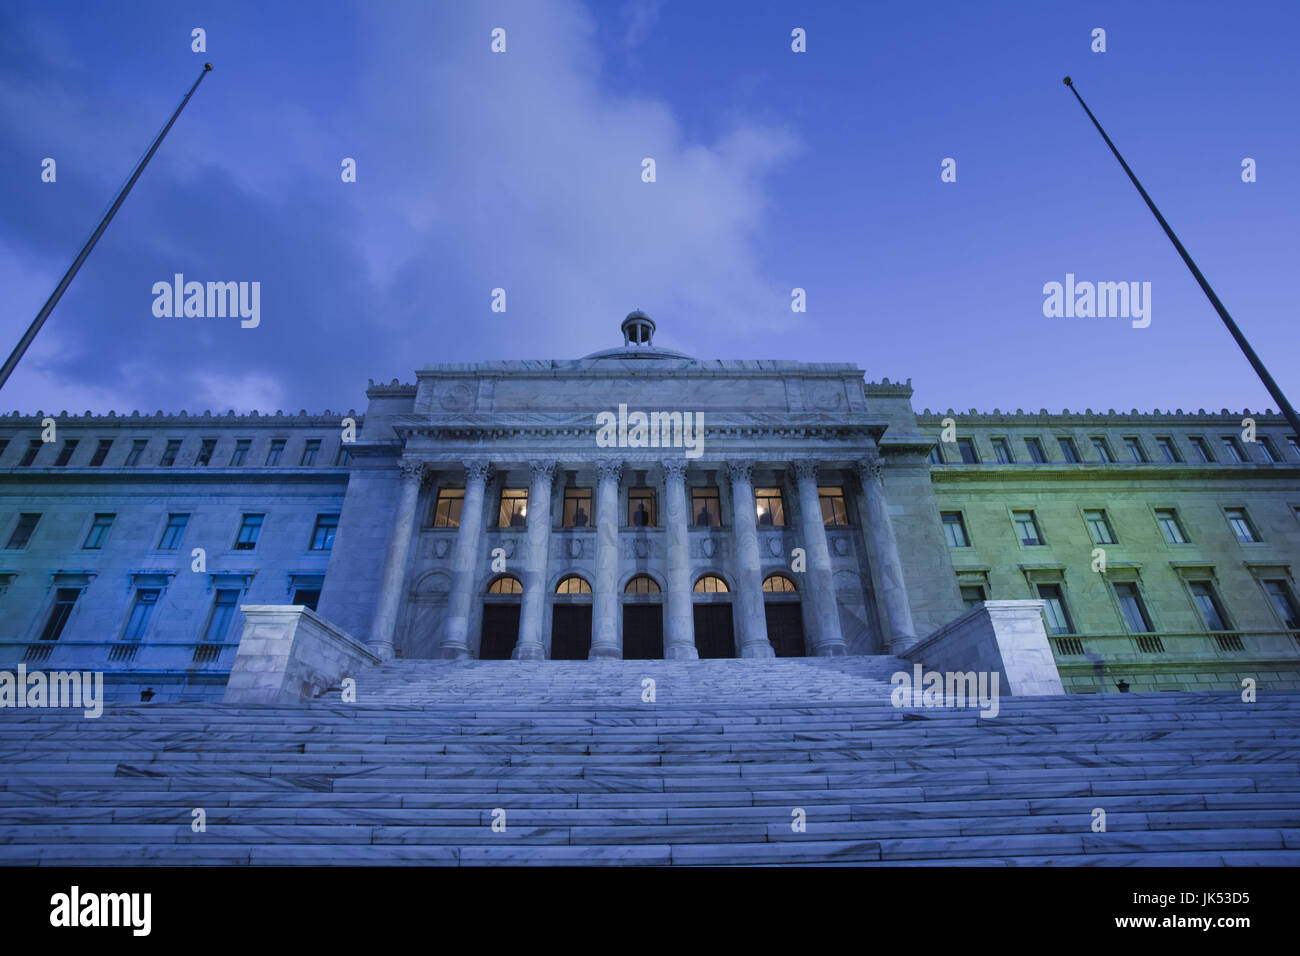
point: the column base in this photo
(453, 652)
(528, 652)
(383, 650)
(832, 650)
(757, 650)
(900, 644)
(681, 652)
(604, 652)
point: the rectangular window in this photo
(29, 456)
(275, 451)
(1135, 612)
(1268, 450)
(98, 531)
(204, 457)
(64, 601)
(1241, 526)
(1231, 450)
(954, 529)
(1168, 451)
(936, 456)
(834, 514)
(65, 453)
(343, 458)
(770, 507)
(1103, 450)
(1283, 603)
(101, 452)
(4, 445)
(1099, 527)
(446, 510)
(1055, 613)
(22, 532)
(1002, 451)
(1167, 518)
(706, 507)
(1201, 448)
(1134, 449)
(514, 508)
(1027, 528)
(240, 455)
(249, 528)
(309, 452)
(967, 448)
(1207, 602)
(641, 507)
(308, 597)
(137, 622)
(1036, 454)
(577, 507)
(1068, 452)
(170, 452)
(224, 606)
(1295, 447)
(137, 450)
(171, 536)
(322, 538)
(972, 594)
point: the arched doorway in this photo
(784, 616)
(571, 619)
(500, 618)
(715, 634)
(643, 619)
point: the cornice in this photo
(929, 418)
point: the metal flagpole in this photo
(16, 356)
(1254, 359)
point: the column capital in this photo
(609, 469)
(870, 470)
(542, 470)
(740, 470)
(673, 468)
(805, 468)
(412, 470)
(478, 470)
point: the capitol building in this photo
(639, 503)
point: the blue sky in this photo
(522, 170)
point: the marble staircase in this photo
(714, 771)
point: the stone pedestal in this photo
(289, 654)
(454, 642)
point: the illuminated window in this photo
(514, 508)
(710, 584)
(705, 507)
(834, 513)
(642, 584)
(573, 585)
(577, 507)
(505, 585)
(446, 510)
(770, 507)
(775, 584)
(641, 507)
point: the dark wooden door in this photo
(785, 629)
(714, 636)
(643, 632)
(570, 632)
(500, 631)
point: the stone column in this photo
(605, 639)
(819, 591)
(750, 620)
(680, 637)
(454, 641)
(393, 585)
(883, 548)
(536, 554)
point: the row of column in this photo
(679, 633)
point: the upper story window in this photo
(954, 529)
(1036, 453)
(344, 457)
(641, 507)
(770, 507)
(249, 529)
(170, 452)
(446, 510)
(1241, 525)
(322, 536)
(706, 507)
(1168, 451)
(101, 452)
(1133, 608)
(1207, 602)
(206, 448)
(577, 507)
(29, 456)
(1231, 450)
(98, 532)
(1002, 451)
(65, 453)
(1069, 453)
(137, 623)
(1279, 594)
(1056, 614)
(1134, 449)
(1102, 449)
(1167, 518)
(1268, 449)
(1295, 447)
(223, 610)
(275, 451)
(1200, 449)
(240, 455)
(309, 452)
(1027, 528)
(172, 533)
(973, 595)
(64, 601)
(1099, 527)
(22, 532)
(936, 456)
(137, 450)
(513, 512)
(4, 445)
(834, 512)
(966, 446)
